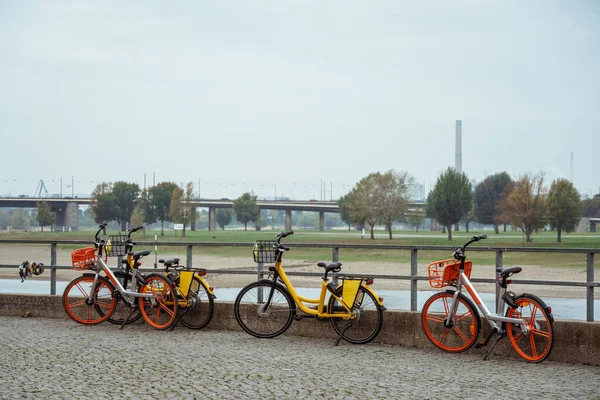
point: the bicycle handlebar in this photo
(459, 253)
(282, 235)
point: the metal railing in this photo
(589, 283)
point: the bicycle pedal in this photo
(298, 317)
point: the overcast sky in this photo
(284, 97)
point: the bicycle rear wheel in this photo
(261, 322)
(124, 314)
(535, 344)
(160, 312)
(368, 317)
(78, 305)
(458, 336)
(200, 306)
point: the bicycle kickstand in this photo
(487, 339)
(127, 319)
(498, 337)
(342, 334)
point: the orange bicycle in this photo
(451, 321)
(91, 298)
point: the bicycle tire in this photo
(261, 323)
(200, 307)
(75, 300)
(161, 312)
(122, 309)
(541, 328)
(465, 330)
(359, 332)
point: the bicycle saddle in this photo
(335, 267)
(140, 254)
(505, 273)
(169, 263)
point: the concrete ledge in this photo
(575, 342)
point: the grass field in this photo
(404, 238)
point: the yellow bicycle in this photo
(195, 296)
(266, 308)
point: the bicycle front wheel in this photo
(124, 314)
(86, 309)
(535, 342)
(458, 335)
(368, 317)
(200, 307)
(253, 315)
(160, 311)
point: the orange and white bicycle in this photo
(91, 298)
(452, 323)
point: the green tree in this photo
(224, 217)
(525, 205)
(159, 203)
(4, 218)
(564, 207)
(246, 209)
(591, 207)
(415, 220)
(20, 219)
(137, 216)
(392, 194)
(362, 201)
(450, 200)
(487, 197)
(102, 203)
(345, 210)
(182, 209)
(124, 196)
(44, 216)
(175, 208)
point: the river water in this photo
(562, 308)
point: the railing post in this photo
(413, 279)
(498, 266)
(188, 255)
(261, 268)
(590, 289)
(335, 257)
(53, 268)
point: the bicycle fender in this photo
(377, 298)
(209, 289)
(542, 303)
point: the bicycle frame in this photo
(492, 318)
(320, 302)
(126, 294)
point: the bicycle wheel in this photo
(368, 317)
(252, 316)
(78, 306)
(462, 333)
(535, 344)
(124, 314)
(160, 311)
(200, 306)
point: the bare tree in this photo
(525, 206)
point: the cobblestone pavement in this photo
(59, 359)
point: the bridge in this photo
(67, 214)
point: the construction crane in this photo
(40, 188)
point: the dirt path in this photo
(16, 254)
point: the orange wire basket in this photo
(443, 273)
(83, 259)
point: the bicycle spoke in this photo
(431, 317)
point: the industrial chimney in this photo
(571, 172)
(458, 147)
